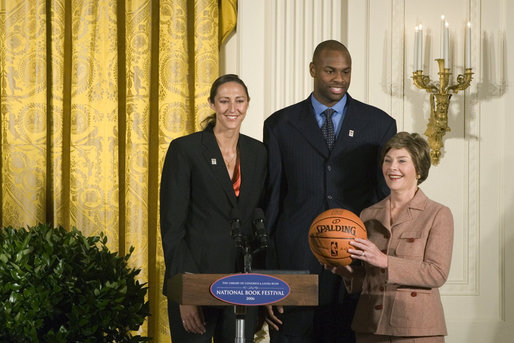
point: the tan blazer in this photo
(404, 300)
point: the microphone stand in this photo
(241, 243)
(241, 310)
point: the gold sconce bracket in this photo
(440, 95)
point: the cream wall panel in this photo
(506, 193)
(271, 51)
(357, 19)
(380, 55)
(456, 160)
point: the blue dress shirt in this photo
(337, 117)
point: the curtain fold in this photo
(228, 19)
(91, 94)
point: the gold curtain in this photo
(92, 92)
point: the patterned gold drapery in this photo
(91, 94)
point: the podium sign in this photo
(195, 289)
(250, 289)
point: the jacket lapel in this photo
(381, 210)
(351, 128)
(353, 125)
(416, 205)
(214, 160)
(305, 123)
(382, 213)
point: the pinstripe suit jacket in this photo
(306, 179)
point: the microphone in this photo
(260, 232)
(235, 228)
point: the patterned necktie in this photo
(328, 128)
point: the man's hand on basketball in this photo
(344, 271)
(272, 320)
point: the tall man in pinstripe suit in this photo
(315, 165)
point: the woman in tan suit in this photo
(407, 255)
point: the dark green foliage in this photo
(60, 286)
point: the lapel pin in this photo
(213, 161)
(350, 133)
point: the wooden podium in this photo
(194, 289)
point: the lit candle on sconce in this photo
(442, 37)
(467, 63)
(446, 46)
(420, 48)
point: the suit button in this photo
(329, 197)
(382, 270)
(413, 294)
(329, 168)
(384, 251)
(379, 307)
(410, 240)
(382, 288)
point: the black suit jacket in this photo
(196, 200)
(306, 179)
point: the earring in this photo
(418, 177)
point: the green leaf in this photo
(61, 286)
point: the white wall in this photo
(271, 51)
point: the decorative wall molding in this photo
(297, 26)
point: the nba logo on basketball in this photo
(333, 248)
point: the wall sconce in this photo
(440, 92)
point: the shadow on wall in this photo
(492, 81)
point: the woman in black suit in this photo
(209, 177)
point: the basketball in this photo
(330, 234)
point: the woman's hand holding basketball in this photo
(368, 252)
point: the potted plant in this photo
(60, 286)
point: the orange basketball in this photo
(330, 234)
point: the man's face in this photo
(332, 72)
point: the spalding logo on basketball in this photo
(330, 234)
